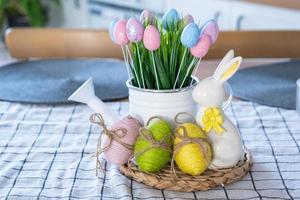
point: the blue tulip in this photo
(190, 35)
(169, 18)
(111, 30)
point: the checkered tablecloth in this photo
(46, 153)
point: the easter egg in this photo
(151, 38)
(169, 18)
(202, 47)
(134, 30)
(211, 28)
(190, 35)
(187, 19)
(117, 153)
(147, 16)
(190, 158)
(120, 32)
(111, 30)
(152, 159)
(159, 128)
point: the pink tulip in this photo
(134, 30)
(202, 47)
(151, 38)
(120, 32)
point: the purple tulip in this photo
(147, 16)
(187, 19)
(134, 30)
(211, 28)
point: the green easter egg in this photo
(153, 159)
(159, 128)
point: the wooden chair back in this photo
(24, 43)
(258, 44)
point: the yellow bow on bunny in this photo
(213, 119)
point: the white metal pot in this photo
(146, 103)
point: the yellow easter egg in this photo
(190, 158)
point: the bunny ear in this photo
(228, 70)
(227, 58)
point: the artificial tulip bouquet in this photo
(162, 54)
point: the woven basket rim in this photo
(187, 183)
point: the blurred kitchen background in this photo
(230, 14)
(97, 14)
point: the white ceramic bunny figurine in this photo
(222, 133)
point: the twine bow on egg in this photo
(147, 135)
(213, 119)
(113, 135)
(185, 139)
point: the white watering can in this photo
(86, 94)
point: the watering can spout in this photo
(86, 94)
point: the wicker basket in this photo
(186, 183)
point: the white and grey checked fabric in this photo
(45, 153)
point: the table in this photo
(46, 153)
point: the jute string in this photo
(113, 135)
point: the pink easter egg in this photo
(117, 153)
(134, 30)
(211, 28)
(120, 32)
(151, 38)
(202, 47)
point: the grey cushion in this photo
(53, 81)
(273, 85)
